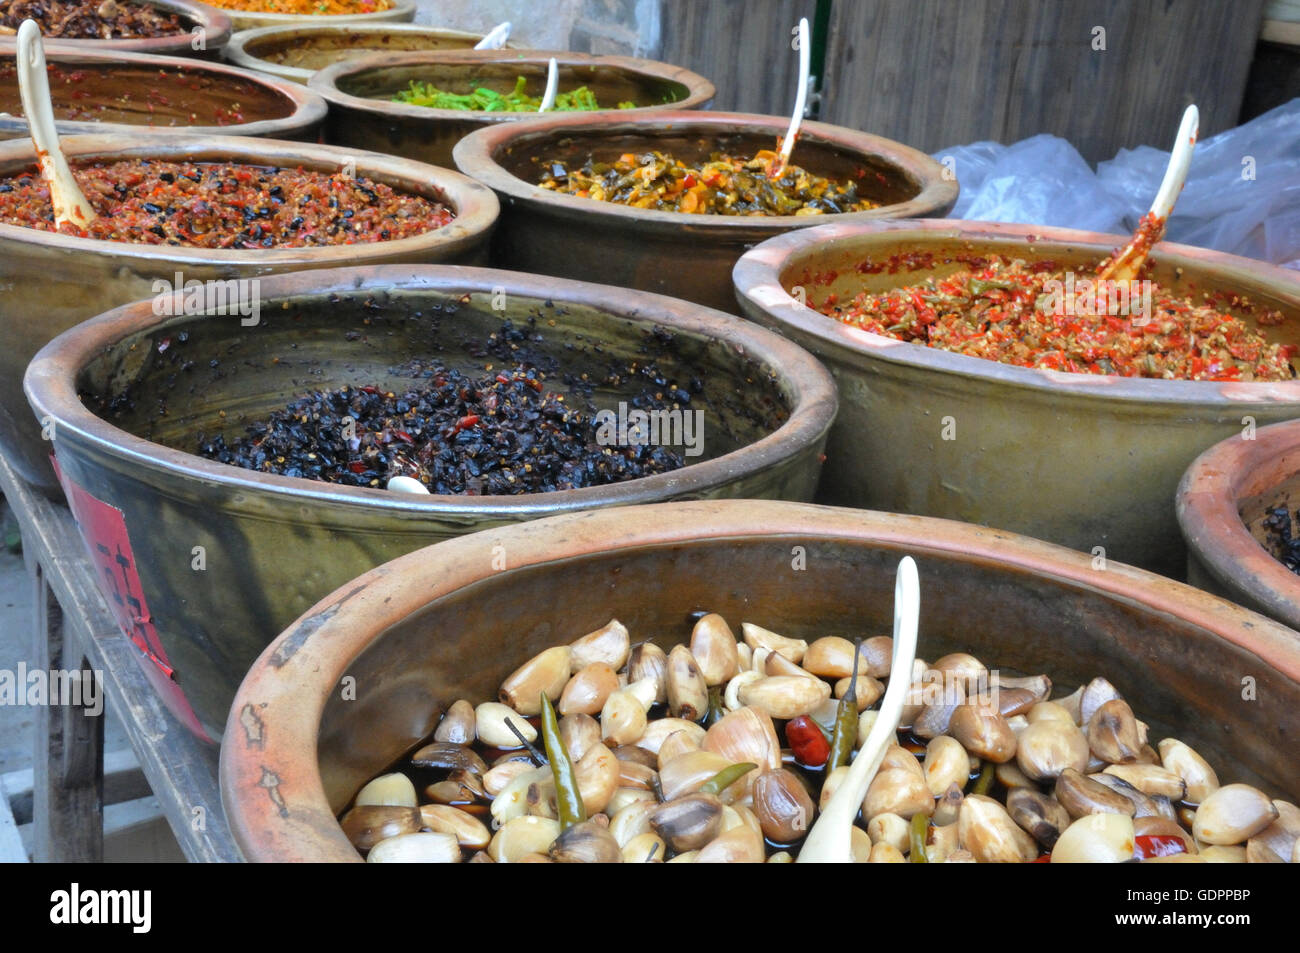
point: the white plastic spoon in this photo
(552, 86)
(1125, 266)
(34, 88)
(800, 102)
(829, 840)
(495, 37)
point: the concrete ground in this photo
(134, 831)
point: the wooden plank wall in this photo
(936, 73)
(742, 46)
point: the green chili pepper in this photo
(716, 708)
(979, 286)
(568, 799)
(727, 777)
(985, 780)
(920, 827)
(846, 721)
(489, 100)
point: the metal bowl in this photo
(400, 12)
(1086, 461)
(273, 545)
(297, 52)
(135, 93)
(439, 624)
(50, 281)
(1222, 502)
(684, 255)
(206, 30)
(360, 94)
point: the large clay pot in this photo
(51, 281)
(360, 93)
(272, 545)
(1083, 460)
(416, 634)
(685, 255)
(135, 93)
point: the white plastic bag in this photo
(1243, 189)
(1040, 181)
(1242, 194)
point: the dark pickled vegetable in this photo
(724, 185)
(501, 433)
(225, 205)
(1281, 541)
(92, 19)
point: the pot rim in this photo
(1213, 528)
(309, 109)
(288, 685)
(326, 81)
(236, 50)
(757, 275)
(51, 389)
(216, 25)
(475, 156)
(400, 12)
(475, 205)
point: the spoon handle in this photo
(800, 102)
(1127, 264)
(1180, 161)
(552, 86)
(828, 841)
(34, 89)
(495, 38)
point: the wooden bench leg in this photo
(68, 763)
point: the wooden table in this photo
(72, 629)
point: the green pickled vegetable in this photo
(727, 777)
(846, 721)
(985, 780)
(568, 799)
(489, 100)
(716, 707)
(916, 850)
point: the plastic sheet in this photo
(1042, 181)
(1242, 194)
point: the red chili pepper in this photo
(1044, 859)
(1157, 845)
(469, 420)
(807, 741)
(356, 466)
(370, 389)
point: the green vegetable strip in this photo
(489, 100)
(716, 707)
(985, 780)
(920, 827)
(568, 799)
(846, 722)
(727, 777)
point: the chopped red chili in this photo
(221, 205)
(1032, 316)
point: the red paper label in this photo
(103, 530)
